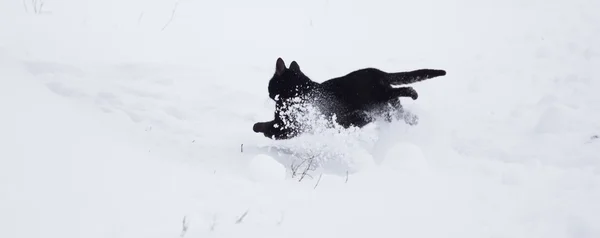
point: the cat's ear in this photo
(295, 67)
(279, 67)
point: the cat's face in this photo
(286, 82)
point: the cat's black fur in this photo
(356, 99)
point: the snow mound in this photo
(403, 156)
(264, 168)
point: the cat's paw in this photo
(413, 93)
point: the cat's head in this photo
(287, 82)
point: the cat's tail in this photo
(414, 76)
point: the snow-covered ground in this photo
(125, 118)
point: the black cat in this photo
(355, 99)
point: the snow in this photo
(406, 157)
(125, 119)
(265, 169)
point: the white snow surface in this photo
(126, 118)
